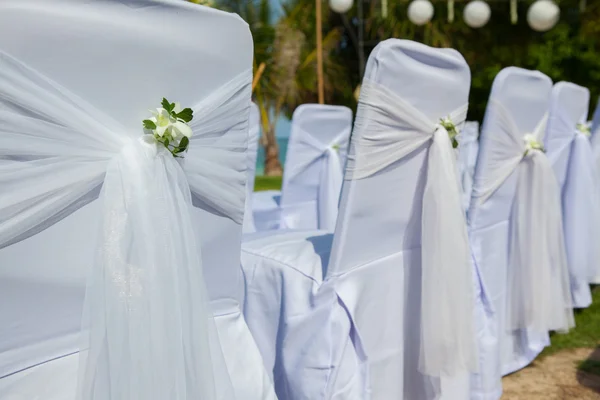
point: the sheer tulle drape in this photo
(148, 329)
(387, 129)
(538, 296)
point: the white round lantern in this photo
(340, 6)
(543, 15)
(420, 12)
(477, 13)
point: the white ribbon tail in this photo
(538, 297)
(150, 324)
(448, 340)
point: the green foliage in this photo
(590, 366)
(568, 52)
(267, 183)
(149, 124)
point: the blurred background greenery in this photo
(285, 42)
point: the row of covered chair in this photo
(125, 273)
(343, 312)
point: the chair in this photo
(74, 90)
(507, 216)
(595, 140)
(570, 152)
(348, 316)
(253, 138)
(313, 172)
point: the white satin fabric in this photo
(330, 179)
(595, 140)
(146, 290)
(468, 146)
(351, 315)
(571, 154)
(538, 296)
(387, 129)
(313, 172)
(253, 138)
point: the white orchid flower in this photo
(179, 130)
(163, 121)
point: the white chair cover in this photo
(468, 146)
(595, 140)
(508, 203)
(149, 331)
(570, 152)
(253, 137)
(402, 185)
(313, 172)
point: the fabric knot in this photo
(532, 143)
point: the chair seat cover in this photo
(266, 209)
(57, 379)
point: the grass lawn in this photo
(585, 334)
(267, 183)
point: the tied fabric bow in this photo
(387, 129)
(147, 316)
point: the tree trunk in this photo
(269, 142)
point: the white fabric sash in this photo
(386, 130)
(538, 289)
(332, 174)
(147, 318)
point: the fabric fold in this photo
(389, 130)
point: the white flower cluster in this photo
(532, 143)
(453, 132)
(169, 127)
(584, 129)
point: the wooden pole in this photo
(320, 53)
(258, 74)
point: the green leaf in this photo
(149, 124)
(167, 106)
(166, 142)
(184, 143)
(186, 114)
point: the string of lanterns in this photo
(541, 16)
